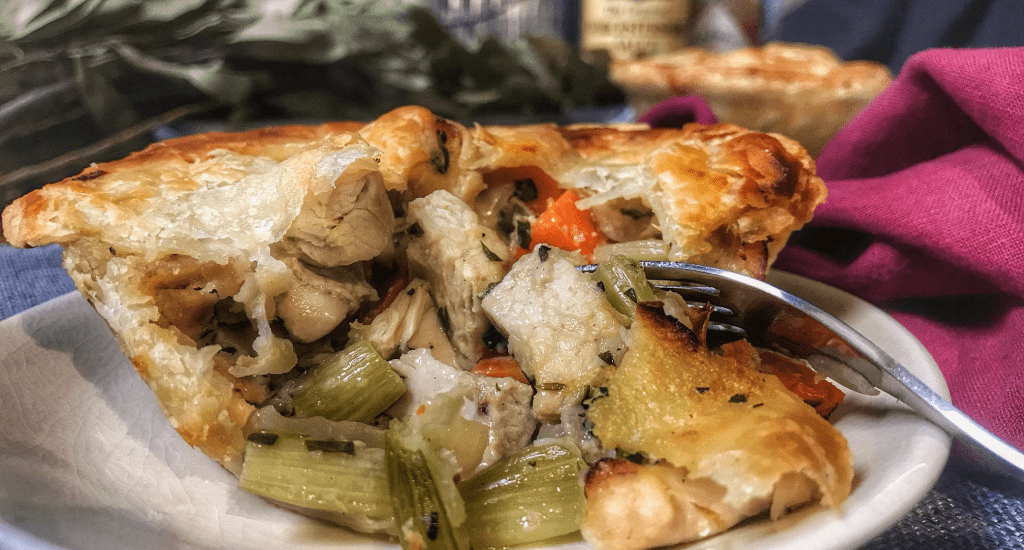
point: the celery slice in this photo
(625, 284)
(533, 495)
(428, 509)
(338, 476)
(356, 383)
(634, 250)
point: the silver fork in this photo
(773, 318)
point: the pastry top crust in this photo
(803, 91)
(723, 195)
(715, 402)
(770, 188)
(45, 216)
(540, 145)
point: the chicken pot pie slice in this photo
(243, 273)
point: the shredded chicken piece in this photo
(410, 322)
(320, 299)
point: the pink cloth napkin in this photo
(925, 218)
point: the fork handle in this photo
(996, 455)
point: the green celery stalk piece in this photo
(531, 496)
(356, 383)
(338, 476)
(419, 491)
(625, 284)
(634, 250)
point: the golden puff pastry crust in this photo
(32, 220)
(720, 195)
(799, 90)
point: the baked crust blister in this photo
(799, 90)
(221, 261)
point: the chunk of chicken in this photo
(320, 299)
(560, 327)
(461, 259)
(348, 223)
(410, 322)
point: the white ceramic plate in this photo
(88, 461)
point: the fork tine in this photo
(721, 311)
(725, 330)
(684, 288)
(705, 295)
(695, 295)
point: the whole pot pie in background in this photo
(798, 90)
(383, 324)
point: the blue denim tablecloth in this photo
(964, 511)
